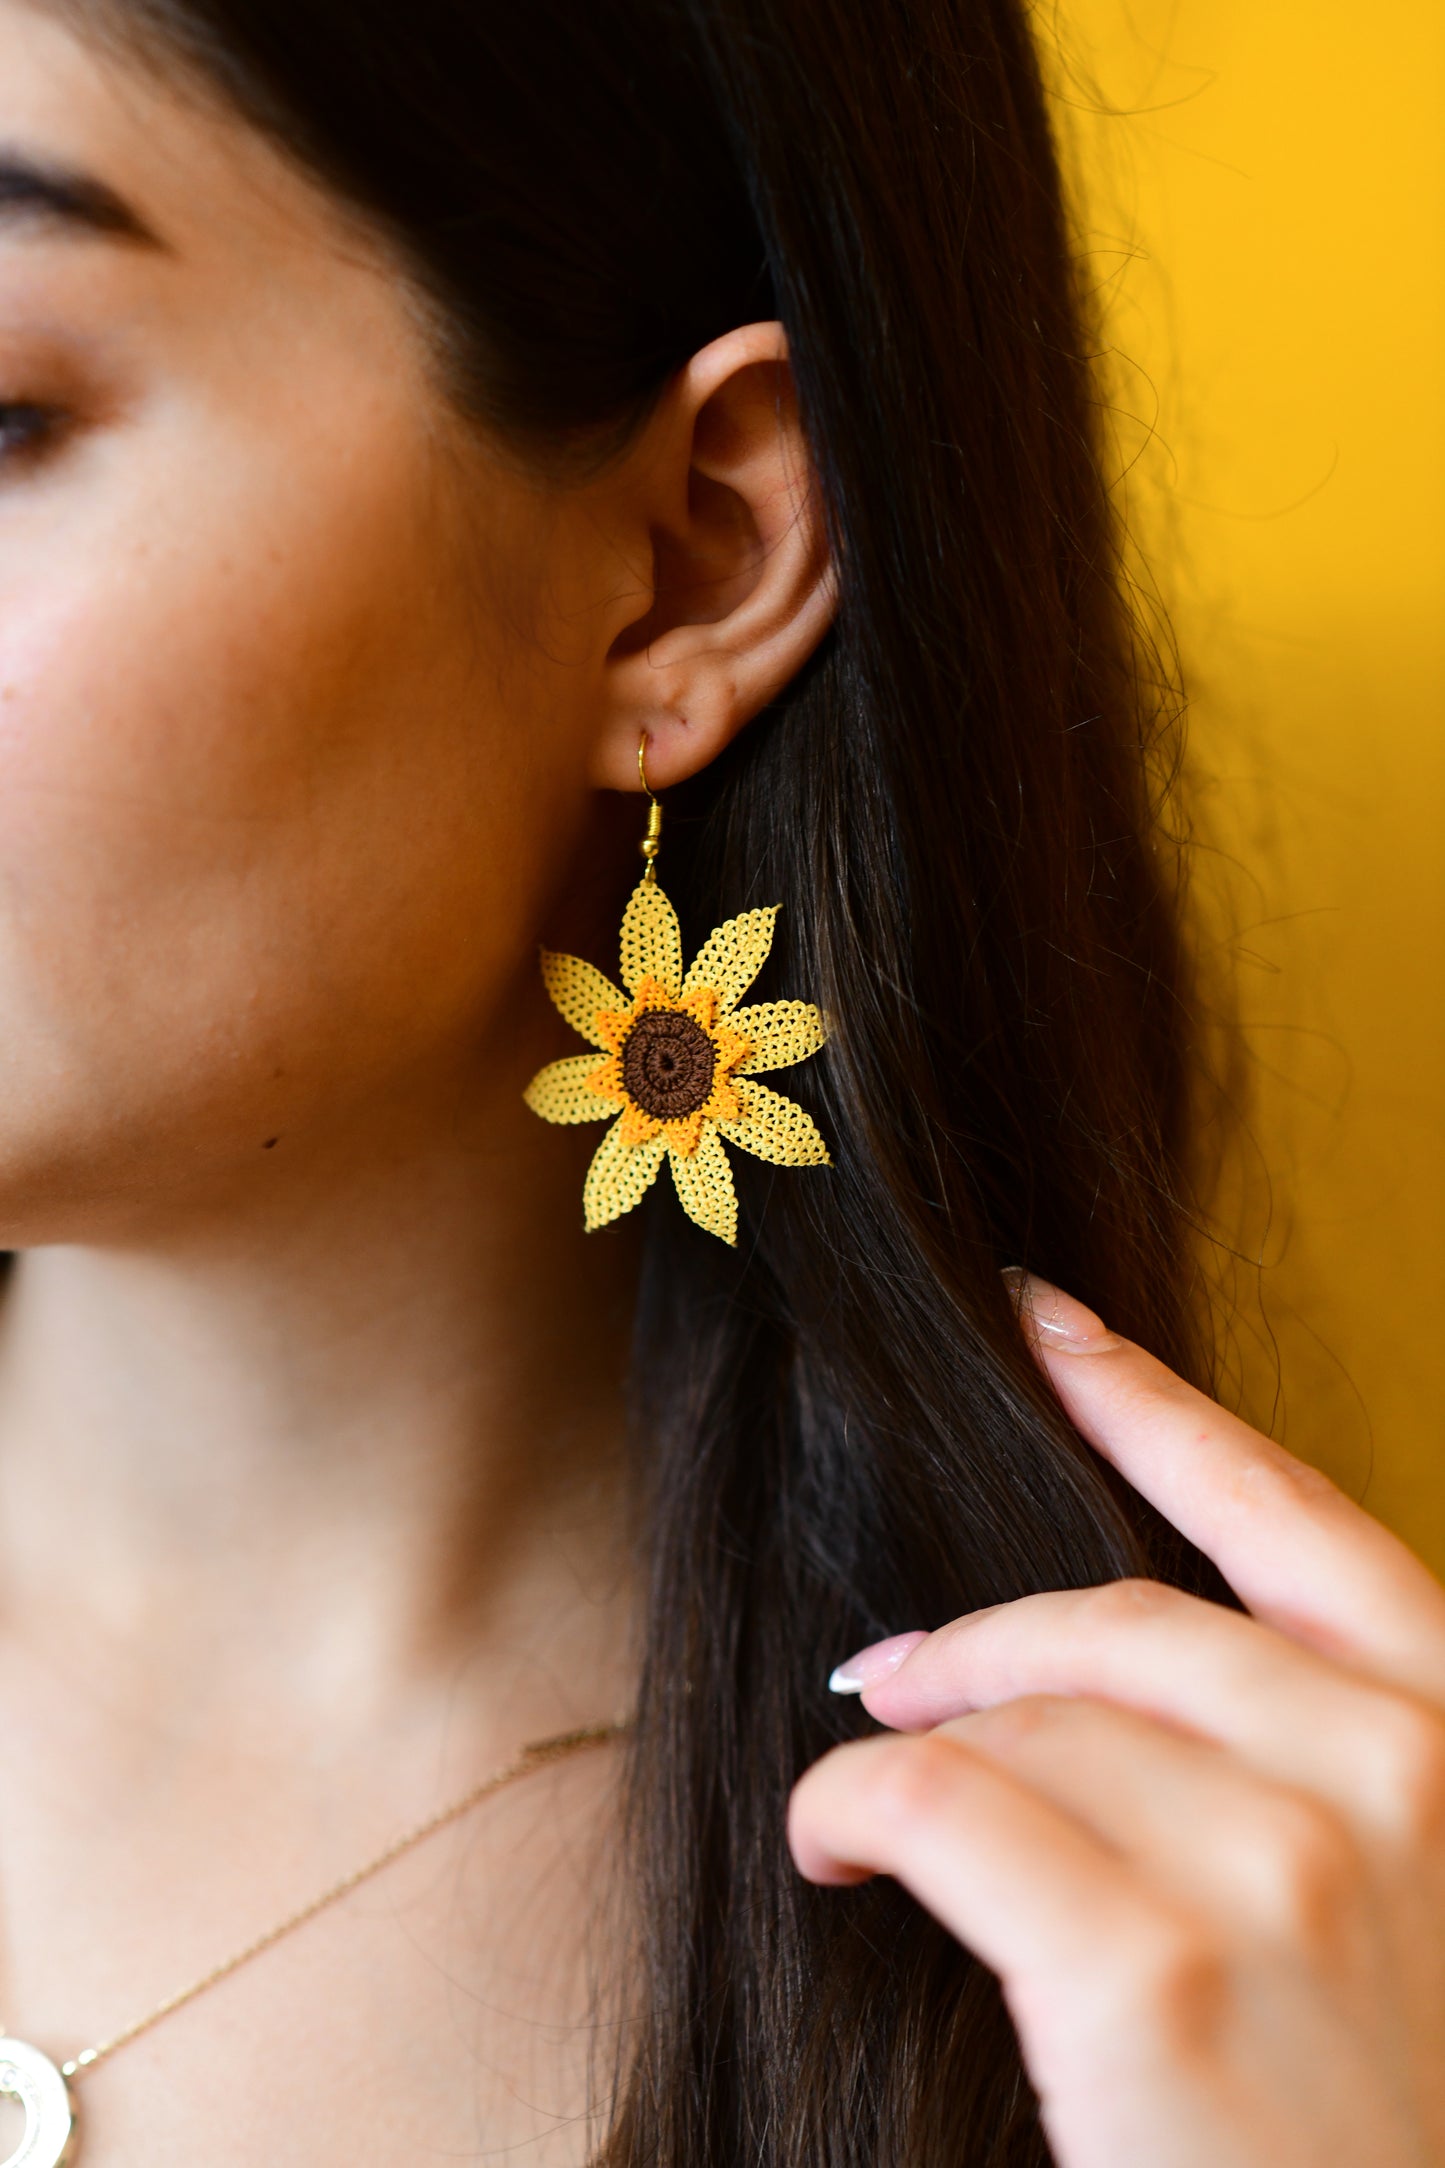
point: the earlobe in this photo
(742, 590)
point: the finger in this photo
(1293, 1716)
(1186, 1815)
(1296, 1550)
(1026, 1887)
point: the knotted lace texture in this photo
(680, 1064)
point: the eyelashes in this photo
(26, 429)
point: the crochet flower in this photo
(680, 1062)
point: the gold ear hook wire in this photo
(651, 843)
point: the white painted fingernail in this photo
(1055, 1319)
(873, 1663)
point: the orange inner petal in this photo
(723, 1104)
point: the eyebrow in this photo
(33, 189)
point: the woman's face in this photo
(294, 736)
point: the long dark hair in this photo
(840, 1433)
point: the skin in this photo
(1205, 1853)
(314, 709)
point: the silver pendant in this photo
(32, 2078)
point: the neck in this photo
(312, 1451)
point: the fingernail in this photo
(1055, 1319)
(873, 1663)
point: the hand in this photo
(1204, 1853)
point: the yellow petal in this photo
(619, 1177)
(775, 1128)
(734, 954)
(781, 1032)
(704, 1184)
(579, 991)
(560, 1092)
(651, 941)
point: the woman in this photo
(410, 417)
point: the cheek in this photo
(263, 827)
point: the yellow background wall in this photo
(1265, 212)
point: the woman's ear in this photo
(741, 588)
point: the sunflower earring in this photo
(679, 1058)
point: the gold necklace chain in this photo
(535, 1756)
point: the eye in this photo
(26, 428)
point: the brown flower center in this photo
(667, 1064)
